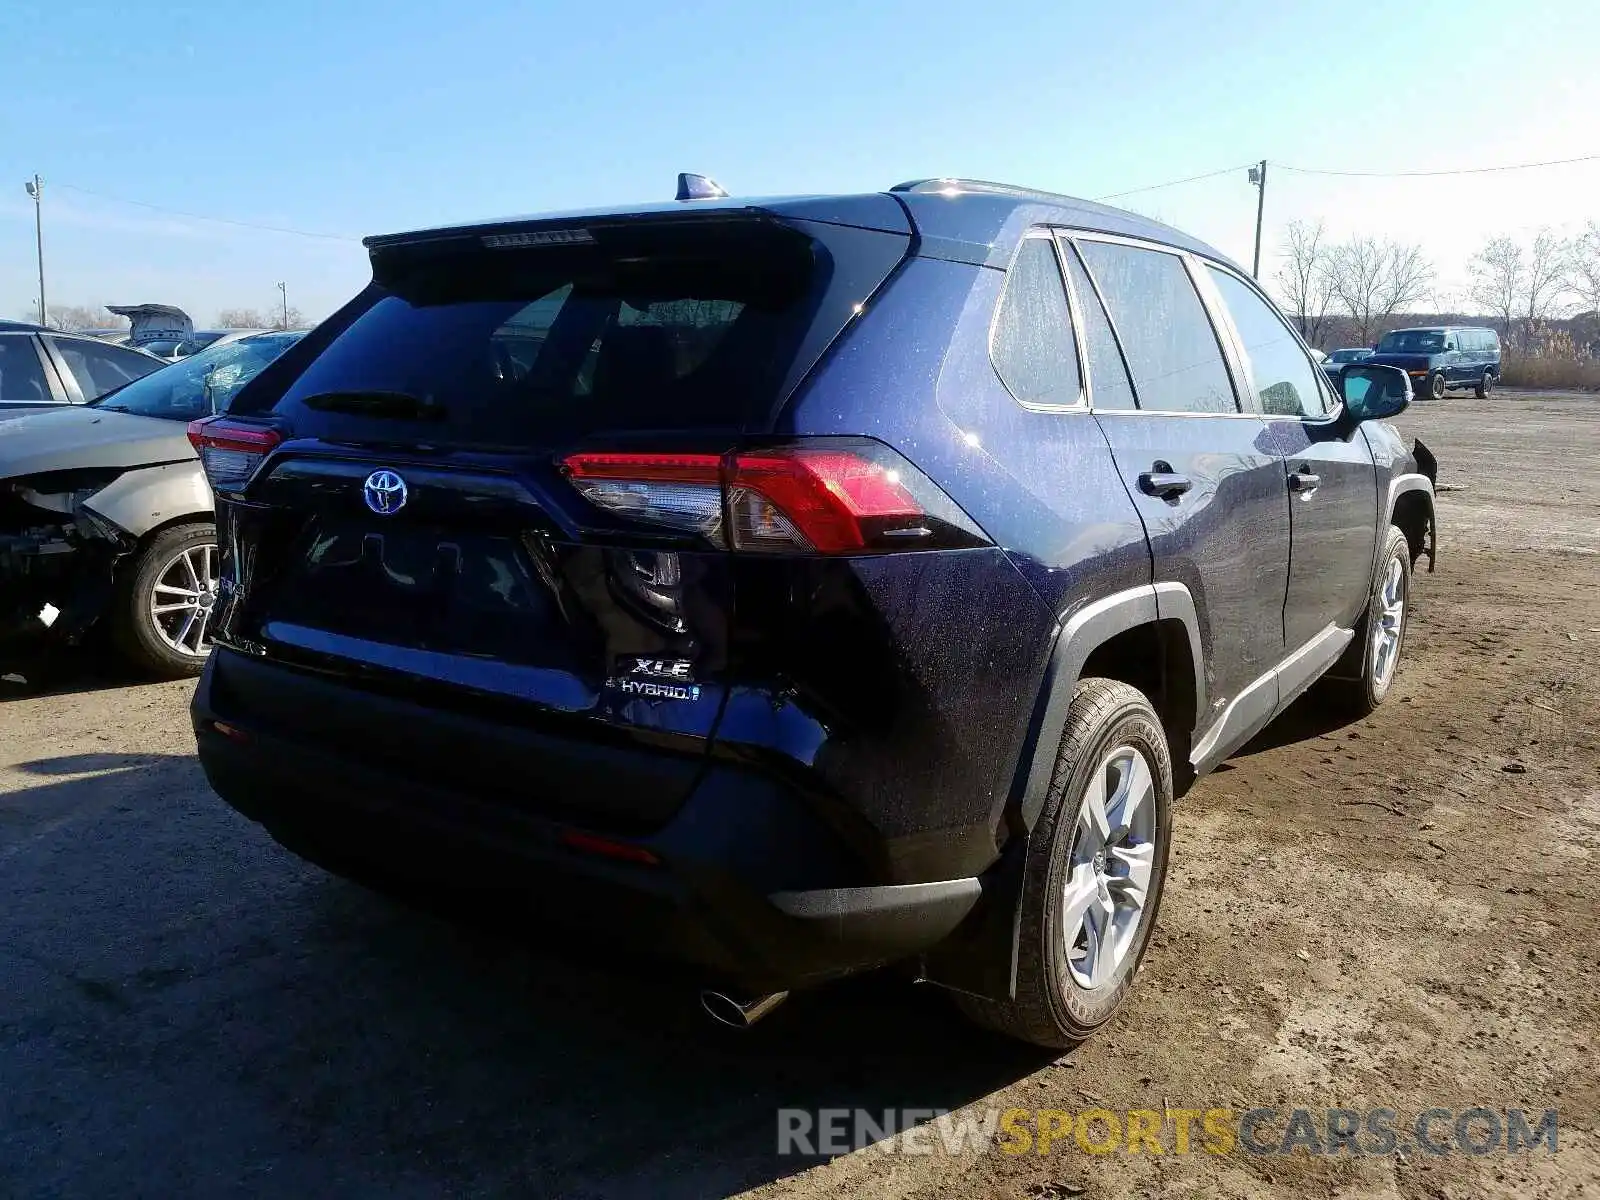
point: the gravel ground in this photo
(1397, 913)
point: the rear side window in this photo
(21, 376)
(1109, 385)
(1033, 347)
(99, 368)
(1171, 347)
(646, 329)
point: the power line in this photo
(1555, 162)
(174, 212)
(1174, 182)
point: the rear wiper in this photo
(397, 405)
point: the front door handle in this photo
(1162, 481)
(1304, 481)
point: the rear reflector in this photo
(231, 451)
(823, 497)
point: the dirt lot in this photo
(1398, 913)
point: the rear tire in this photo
(1485, 385)
(1436, 385)
(1071, 980)
(134, 623)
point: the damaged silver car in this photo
(106, 517)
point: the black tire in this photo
(1353, 686)
(1436, 385)
(1485, 385)
(1051, 1008)
(132, 627)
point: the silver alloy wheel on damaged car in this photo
(166, 608)
(183, 597)
(1388, 623)
(1436, 385)
(1113, 855)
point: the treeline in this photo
(1543, 295)
(75, 318)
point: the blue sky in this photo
(353, 116)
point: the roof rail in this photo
(953, 187)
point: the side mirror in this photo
(1373, 392)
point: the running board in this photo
(1253, 709)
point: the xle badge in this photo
(655, 678)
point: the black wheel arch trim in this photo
(980, 957)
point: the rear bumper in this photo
(745, 884)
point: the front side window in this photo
(1171, 347)
(21, 375)
(1033, 348)
(1285, 379)
(99, 368)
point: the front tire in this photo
(1097, 862)
(1380, 636)
(163, 607)
(1436, 385)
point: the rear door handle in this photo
(1304, 481)
(1164, 482)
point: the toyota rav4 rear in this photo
(529, 586)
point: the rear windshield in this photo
(1412, 341)
(666, 331)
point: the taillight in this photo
(825, 497)
(230, 451)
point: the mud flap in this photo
(979, 957)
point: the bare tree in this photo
(1583, 268)
(1373, 280)
(260, 318)
(243, 318)
(1305, 278)
(70, 318)
(1498, 274)
(1547, 279)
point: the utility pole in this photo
(283, 290)
(1258, 176)
(35, 188)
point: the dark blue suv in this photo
(785, 588)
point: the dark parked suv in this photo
(789, 587)
(1440, 357)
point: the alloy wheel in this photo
(184, 598)
(1390, 623)
(1108, 879)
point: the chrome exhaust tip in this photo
(739, 1014)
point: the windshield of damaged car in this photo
(202, 384)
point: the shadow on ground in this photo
(184, 1004)
(29, 673)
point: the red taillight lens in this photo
(825, 498)
(231, 451)
(608, 847)
(831, 501)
